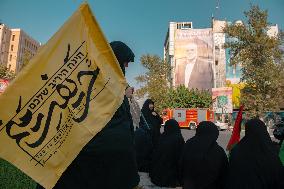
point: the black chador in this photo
(164, 166)
(254, 161)
(203, 163)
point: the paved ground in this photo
(145, 183)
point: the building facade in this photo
(196, 56)
(219, 66)
(16, 48)
(22, 48)
(5, 35)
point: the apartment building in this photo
(16, 47)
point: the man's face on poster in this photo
(191, 52)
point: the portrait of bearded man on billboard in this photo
(193, 63)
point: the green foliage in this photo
(26, 58)
(181, 97)
(155, 81)
(261, 59)
(5, 73)
(11, 177)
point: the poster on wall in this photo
(222, 100)
(194, 58)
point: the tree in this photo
(5, 73)
(261, 59)
(182, 97)
(26, 58)
(155, 81)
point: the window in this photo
(184, 26)
(187, 26)
(10, 57)
(216, 62)
(12, 47)
(178, 26)
(13, 38)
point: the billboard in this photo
(222, 100)
(193, 58)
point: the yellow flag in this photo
(64, 97)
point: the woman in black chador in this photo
(164, 166)
(143, 147)
(204, 163)
(108, 160)
(151, 119)
(254, 162)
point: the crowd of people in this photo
(200, 163)
(116, 155)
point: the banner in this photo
(193, 58)
(63, 98)
(222, 100)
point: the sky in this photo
(141, 24)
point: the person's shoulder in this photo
(218, 149)
(234, 152)
(190, 142)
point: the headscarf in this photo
(164, 169)
(203, 156)
(207, 129)
(171, 127)
(123, 53)
(145, 108)
(256, 134)
(255, 159)
(206, 136)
